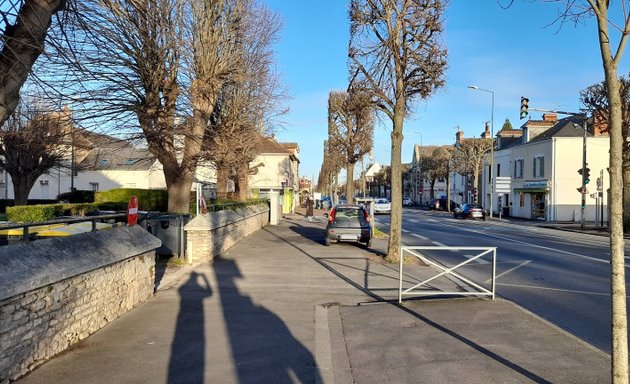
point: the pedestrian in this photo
(309, 208)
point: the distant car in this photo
(348, 222)
(407, 201)
(434, 204)
(382, 206)
(470, 211)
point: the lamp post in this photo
(476, 88)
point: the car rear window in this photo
(349, 214)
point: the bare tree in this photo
(350, 129)
(595, 101)
(608, 22)
(396, 52)
(247, 105)
(33, 142)
(331, 165)
(24, 25)
(469, 156)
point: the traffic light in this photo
(587, 175)
(524, 107)
(580, 171)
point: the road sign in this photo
(132, 211)
(503, 184)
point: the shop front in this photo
(533, 197)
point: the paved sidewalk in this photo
(280, 307)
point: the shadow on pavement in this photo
(263, 348)
(306, 231)
(187, 363)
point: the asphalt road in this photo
(561, 276)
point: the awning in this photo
(531, 190)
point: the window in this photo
(539, 166)
(94, 186)
(102, 163)
(521, 199)
(518, 169)
(498, 170)
(131, 161)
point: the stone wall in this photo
(56, 292)
(209, 234)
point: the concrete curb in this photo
(331, 353)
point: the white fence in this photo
(447, 272)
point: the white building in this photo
(542, 165)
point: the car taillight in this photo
(331, 217)
(367, 216)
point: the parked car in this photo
(349, 222)
(407, 201)
(434, 204)
(472, 211)
(382, 206)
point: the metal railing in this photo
(447, 271)
(93, 219)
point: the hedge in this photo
(148, 199)
(45, 212)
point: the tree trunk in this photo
(23, 44)
(619, 360)
(179, 188)
(222, 181)
(242, 193)
(349, 183)
(22, 186)
(626, 188)
(395, 226)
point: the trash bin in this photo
(169, 229)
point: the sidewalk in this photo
(280, 307)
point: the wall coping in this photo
(28, 266)
(212, 220)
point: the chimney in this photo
(459, 136)
(551, 117)
(486, 133)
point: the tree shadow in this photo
(263, 348)
(187, 363)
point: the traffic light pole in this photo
(583, 191)
(584, 171)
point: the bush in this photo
(148, 199)
(46, 212)
(77, 197)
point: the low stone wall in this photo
(56, 292)
(209, 234)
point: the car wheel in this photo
(369, 243)
(326, 241)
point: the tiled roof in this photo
(267, 145)
(568, 127)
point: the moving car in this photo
(348, 222)
(382, 206)
(472, 211)
(407, 201)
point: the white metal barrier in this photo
(450, 271)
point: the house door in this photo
(538, 206)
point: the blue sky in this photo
(514, 52)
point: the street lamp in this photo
(476, 88)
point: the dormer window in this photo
(131, 161)
(102, 162)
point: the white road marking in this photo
(405, 230)
(442, 245)
(415, 221)
(524, 263)
(480, 261)
(419, 236)
(556, 289)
